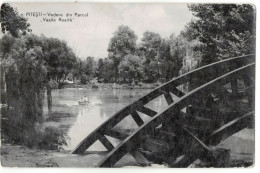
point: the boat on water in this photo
(84, 101)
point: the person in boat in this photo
(84, 100)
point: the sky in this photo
(90, 36)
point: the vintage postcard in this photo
(154, 85)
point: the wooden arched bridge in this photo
(219, 102)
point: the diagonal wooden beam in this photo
(106, 142)
(191, 152)
(177, 92)
(194, 151)
(139, 157)
(168, 98)
(116, 134)
(146, 111)
(85, 144)
(109, 161)
(137, 118)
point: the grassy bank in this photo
(20, 156)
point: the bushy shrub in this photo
(17, 131)
(51, 139)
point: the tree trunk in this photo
(40, 98)
(49, 99)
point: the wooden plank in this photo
(86, 143)
(112, 157)
(172, 88)
(177, 92)
(168, 98)
(116, 134)
(139, 157)
(149, 97)
(146, 111)
(191, 147)
(137, 118)
(106, 142)
(181, 130)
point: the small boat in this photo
(84, 101)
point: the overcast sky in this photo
(90, 36)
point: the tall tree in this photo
(91, 66)
(26, 76)
(225, 30)
(189, 48)
(131, 68)
(60, 60)
(150, 44)
(100, 69)
(11, 21)
(78, 69)
(168, 64)
(121, 44)
(108, 72)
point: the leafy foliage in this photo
(84, 79)
(32, 64)
(25, 75)
(121, 44)
(150, 46)
(17, 130)
(226, 30)
(85, 70)
(60, 59)
(131, 68)
(11, 21)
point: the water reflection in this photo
(104, 103)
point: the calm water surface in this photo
(79, 121)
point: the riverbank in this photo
(240, 144)
(113, 86)
(20, 156)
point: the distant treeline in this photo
(152, 59)
(218, 31)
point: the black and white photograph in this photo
(127, 85)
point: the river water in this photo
(78, 121)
